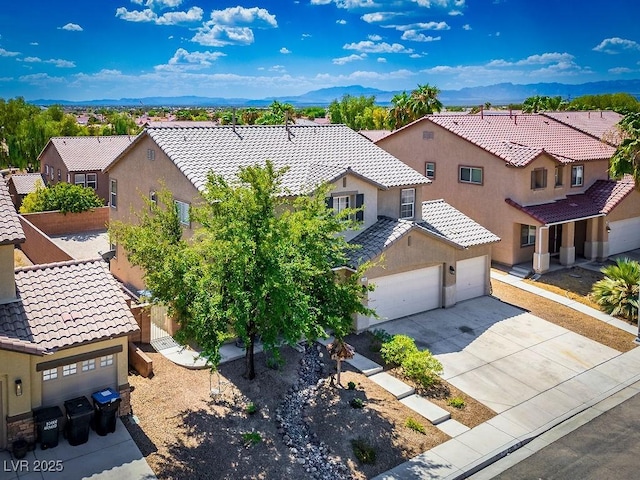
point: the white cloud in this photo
(374, 38)
(237, 16)
(7, 53)
(306, 35)
(381, 60)
(71, 27)
(414, 36)
(421, 26)
(158, 3)
(620, 70)
(277, 68)
(543, 59)
(440, 3)
(371, 47)
(616, 45)
(136, 15)
(341, 22)
(455, 13)
(466, 26)
(40, 79)
(219, 36)
(32, 59)
(347, 4)
(379, 17)
(285, 50)
(365, 75)
(416, 55)
(350, 58)
(34, 44)
(185, 60)
(58, 62)
(194, 14)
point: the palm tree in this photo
(424, 100)
(400, 113)
(626, 159)
(617, 292)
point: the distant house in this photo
(63, 332)
(422, 251)
(81, 160)
(21, 185)
(538, 181)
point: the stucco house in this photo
(362, 174)
(538, 183)
(81, 160)
(21, 185)
(63, 333)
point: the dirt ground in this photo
(185, 433)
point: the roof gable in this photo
(88, 153)
(26, 183)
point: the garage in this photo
(471, 278)
(75, 379)
(624, 235)
(403, 294)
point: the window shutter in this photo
(329, 202)
(359, 204)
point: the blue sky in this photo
(82, 50)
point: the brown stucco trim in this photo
(78, 358)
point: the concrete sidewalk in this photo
(535, 378)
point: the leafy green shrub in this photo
(356, 403)
(415, 426)
(397, 349)
(351, 386)
(456, 402)
(380, 336)
(62, 196)
(364, 452)
(617, 293)
(251, 408)
(251, 438)
(422, 367)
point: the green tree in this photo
(355, 112)
(617, 292)
(63, 196)
(247, 270)
(277, 114)
(626, 159)
(424, 100)
(400, 113)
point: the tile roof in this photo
(89, 153)
(26, 183)
(439, 219)
(519, 139)
(64, 304)
(10, 228)
(374, 135)
(600, 124)
(444, 220)
(312, 153)
(598, 200)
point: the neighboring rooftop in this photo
(598, 200)
(88, 153)
(519, 139)
(313, 154)
(374, 135)
(599, 124)
(25, 183)
(64, 304)
(11, 231)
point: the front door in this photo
(555, 239)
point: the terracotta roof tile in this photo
(64, 304)
(312, 153)
(599, 199)
(519, 139)
(26, 183)
(597, 124)
(10, 228)
(89, 153)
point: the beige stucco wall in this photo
(7, 277)
(352, 185)
(628, 208)
(484, 203)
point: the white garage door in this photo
(624, 235)
(76, 379)
(406, 293)
(471, 278)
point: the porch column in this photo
(567, 247)
(541, 253)
(597, 245)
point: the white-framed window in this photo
(538, 178)
(70, 369)
(80, 179)
(50, 374)
(89, 365)
(113, 193)
(151, 154)
(430, 170)
(527, 235)
(183, 211)
(558, 175)
(471, 175)
(341, 203)
(407, 202)
(106, 360)
(577, 175)
(92, 180)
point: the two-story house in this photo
(420, 262)
(63, 332)
(540, 184)
(81, 160)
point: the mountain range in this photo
(498, 94)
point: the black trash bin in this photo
(106, 403)
(79, 414)
(47, 420)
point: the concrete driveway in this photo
(502, 355)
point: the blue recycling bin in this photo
(106, 404)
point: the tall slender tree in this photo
(626, 159)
